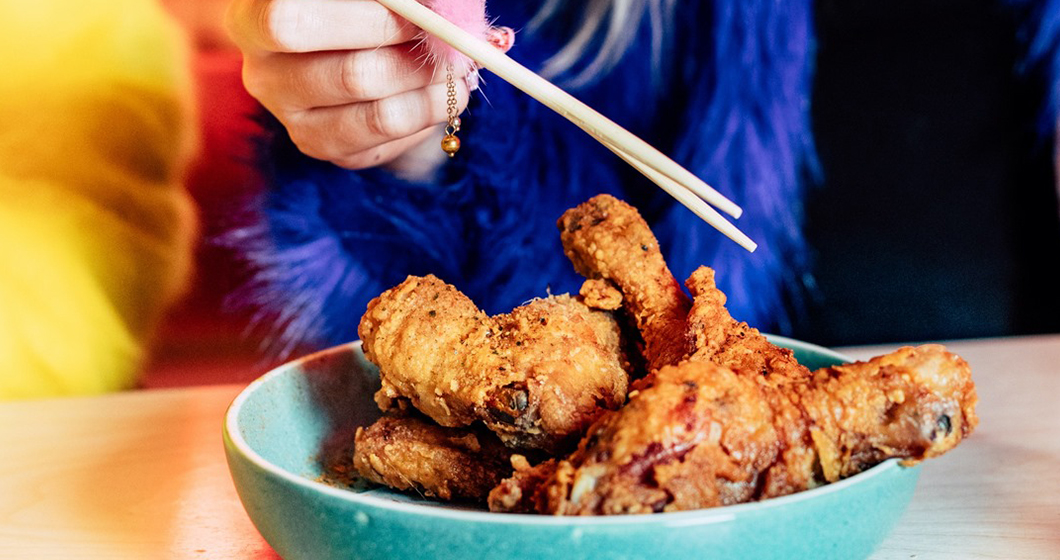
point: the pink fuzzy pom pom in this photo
(469, 15)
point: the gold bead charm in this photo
(451, 144)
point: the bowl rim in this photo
(234, 439)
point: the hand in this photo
(343, 76)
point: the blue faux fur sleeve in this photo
(729, 99)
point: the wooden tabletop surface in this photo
(142, 474)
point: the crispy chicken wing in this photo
(606, 238)
(537, 376)
(704, 435)
(407, 453)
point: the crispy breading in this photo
(537, 376)
(915, 403)
(703, 435)
(411, 454)
(719, 338)
(518, 493)
(606, 238)
(600, 294)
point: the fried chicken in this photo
(723, 417)
(705, 436)
(519, 492)
(407, 453)
(719, 338)
(914, 403)
(606, 238)
(537, 376)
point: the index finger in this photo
(315, 25)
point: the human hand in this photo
(343, 76)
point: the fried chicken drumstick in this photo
(537, 376)
(705, 436)
(607, 239)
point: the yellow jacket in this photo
(95, 227)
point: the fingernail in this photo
(472, 80)
(502, 37)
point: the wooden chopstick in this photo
(648, 160)
(689, 200)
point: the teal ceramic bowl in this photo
(277, 429)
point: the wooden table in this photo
(142, 475)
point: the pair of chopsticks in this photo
(680, 183)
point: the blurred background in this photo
(936, 216)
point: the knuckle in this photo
(365, 72)
(353, 76)
(282, 23)
(390, 26)
(263, 24)
(394, 27)
(388, 118)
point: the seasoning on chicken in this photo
(537, 376)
